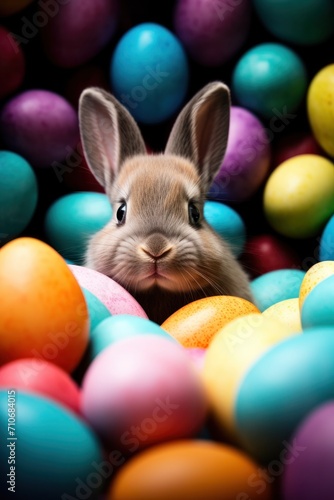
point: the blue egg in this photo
(56, 454)
(72, 219)
(227, 223)
(280, 389)
(275, 286)
(149, 72)
(270, 80)
(327, 241)
(96, 309)
(318, 307)
(18, 195)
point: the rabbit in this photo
(158, 245)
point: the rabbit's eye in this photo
(194, 215)
(121, 213)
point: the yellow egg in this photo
(320, 107)
(43, 313)
(287, 312)
(188, 470)
(314, 275)
(195, 324)
(232, 352)
(299, 195)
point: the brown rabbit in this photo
(158, 245)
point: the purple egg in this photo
(247, 159)
(212, 32)
(308, 472)
(79, 31)
(41, 126)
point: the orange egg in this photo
(189, 470)
(195, 324)
(43, 313)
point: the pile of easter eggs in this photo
(228, 398)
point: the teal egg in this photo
(96, 309)
(280, 389)
(298, 21)
(270, 79)
(275, 286)
(227, 223)
(318, 307)
(72, 219)
(326, 251)
(18, 195)
(56, 454)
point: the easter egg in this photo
(320, 107)
(280, 389)
(270, 80)
(246, 161)
(9, 7)
(72, 219)
(227, 223)
(195, 324)
(187, 469)
(308, 474)
(272, 287)
(212, 32)
(141, 391)
(317, 309)
(299, 196)
(287, 312)
(316, 273)
(18, 194)
(56, 454)
(43, 313)
(326, 251)
(96, 309)
(116, 299)
(298, 22)
(12, 63)
(149, 72)
(264, 253)
(41, 126)
(234, 350)
(78, 30)
(41, 377)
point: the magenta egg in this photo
(41, 126)
(141, 391)
(79, 31)
(247, 159)
(212, 32)
(308, 469)
(12, 63)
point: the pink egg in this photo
(247, 159)
(41, 377)
(116, 299)
(214, 31)
(12, 64)
(141, 391)
(79, 31)
(41, 126)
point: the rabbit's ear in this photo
(109, 134)
(200, 132)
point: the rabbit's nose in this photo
(156, 246)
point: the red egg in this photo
(41, 377)
(264, 253)
(12, 63)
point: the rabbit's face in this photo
(155, 236)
